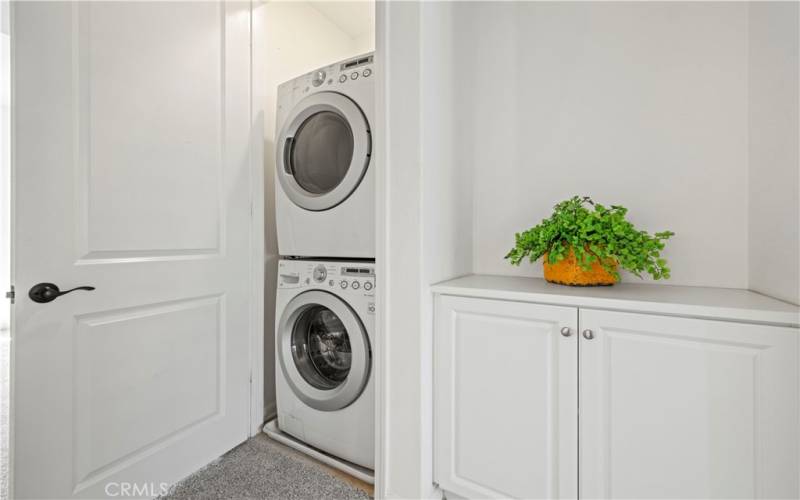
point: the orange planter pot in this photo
(568, 272)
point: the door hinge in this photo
(11, 294)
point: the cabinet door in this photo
(505, 399)
(685, 408)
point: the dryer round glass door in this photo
(323, 151)
(323, 350)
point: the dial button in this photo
(354, 75)
(342, 78)
(320, 273)
(356, 285)
(367, 286)
(366, 72)
(318, 78)
(343, 284)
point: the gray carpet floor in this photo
(261, 468)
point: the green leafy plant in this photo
(595, 234)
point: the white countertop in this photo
(699, 302)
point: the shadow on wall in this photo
(271, 259)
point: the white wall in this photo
(298, 38)
(774, 150)
(493, 112)
(425, 230)
(399, 260)
(446, 191)
(640, 104)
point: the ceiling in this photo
(356, 18)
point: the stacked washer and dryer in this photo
(325, 306)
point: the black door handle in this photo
(48, 292)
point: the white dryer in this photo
(325, 189)
(325, 318)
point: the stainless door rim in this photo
(362, 149)
(344, 394)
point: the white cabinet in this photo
(670, 407)
(687, 408)
(506, 394)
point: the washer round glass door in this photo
(323, 350)
(323, 151)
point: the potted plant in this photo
(583, 243)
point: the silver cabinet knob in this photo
(566, 331)
(588, 334)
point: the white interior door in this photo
(131, 135)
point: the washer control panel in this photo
(351, 277)
(358, 278)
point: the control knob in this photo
(318, 78)
(320, 273)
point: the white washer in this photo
(325, 320)
(325, 189)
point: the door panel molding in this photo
(108, 139)
(85, 426)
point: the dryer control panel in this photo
(332, 77)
